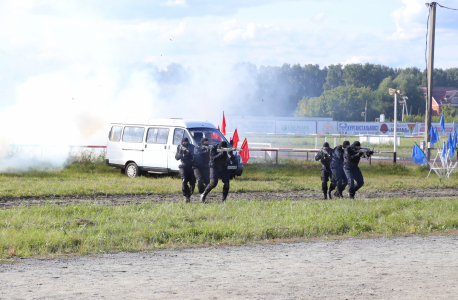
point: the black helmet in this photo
(185, 140)
(346, 143)
(223, 144)
(356, 143)
(203, 140)
(326, 144)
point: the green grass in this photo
(90, 228)
(96, 179)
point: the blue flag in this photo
(454, 140)
(436, 134)
(418, 155)
(444, 151)
(450, 145)
(442, 122)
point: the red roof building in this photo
(442, 96)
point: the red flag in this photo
(218, 129)
(223, 126)
(235, 138)
(245, 153)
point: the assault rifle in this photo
(221, 150)
(322, 154)
(183, 149)
(365, 152)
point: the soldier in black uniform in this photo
(338, 178)
(218, 169)
(325, 156)
(351, 169)
(202, 164)
(185, 153)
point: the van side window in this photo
(177, 136)
(163, 135)
(157, 135)
(133, 134)
(151, 136)
(115, 133)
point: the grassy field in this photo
(91, 229)
(96, 179)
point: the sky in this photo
(69, 68)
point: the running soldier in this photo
(202, 165)
(351, 168)
(185, 153)
(338, 178)
(325, 156)
(218, 169)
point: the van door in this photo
(178, 134)
(155, 154)
(132, 144)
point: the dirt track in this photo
(293, 196)
(400, 268)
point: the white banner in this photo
(327, 127)
(372, 128)
(449, 127)
(302, 127)
(253, 125)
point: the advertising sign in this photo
(327, 127)
(449, 127)
(353, 128)
(377, 128)
(254, 125)
(302, 127)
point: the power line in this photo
(446, 7)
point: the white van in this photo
(139, 147)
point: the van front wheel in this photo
(132, 170)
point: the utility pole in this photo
(365, 113)
(395, 92)
(429, 100)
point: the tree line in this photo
(335, 91)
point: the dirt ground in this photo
(293, 196)
(382, 268)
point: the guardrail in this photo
(277, 150)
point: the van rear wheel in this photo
(132, 170)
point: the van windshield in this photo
(213, 135)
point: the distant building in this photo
(442, 96)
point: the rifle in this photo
(228, 149)
(221, 150)
(322, 153)
(365, 152)
(183, 149)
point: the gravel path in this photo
(293, 196)
(399, 268)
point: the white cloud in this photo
(175, 3)
(410, 20)
(318, 17)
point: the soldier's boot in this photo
(331, 188)
(324, 188)
(351, 195)
(188, 198)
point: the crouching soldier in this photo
(185, 153)
(338, 178)
(202, 165)
(325, 156)
(218, 169)
(351, 168)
